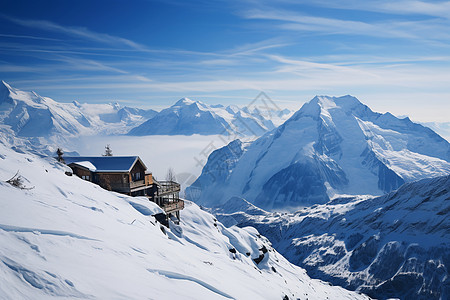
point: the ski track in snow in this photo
(43, 231)
(173, 275)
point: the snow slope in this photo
(396, 245)
(187, 117)
(62, 237)
(332, 146)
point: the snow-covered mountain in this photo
(40, 124)
(396, 245)
(187, 117)
(62, 237)
(330, 147)
(26, 114)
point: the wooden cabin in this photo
(127, 175)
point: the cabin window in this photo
(137, 176)
(86, 177)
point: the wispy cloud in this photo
(80, 32)
(424, 29)
(28, 37)
(403, 7)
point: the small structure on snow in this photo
(128, 175)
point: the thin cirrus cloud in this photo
(317, 48)
(75, 31)
(406, 7)
(423, 29)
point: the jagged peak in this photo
(332, 101)
(320, 103)
(5, 84)
(184, 101)
(5, 90)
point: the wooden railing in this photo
(137, 183)
(168, 187)
(173, 206)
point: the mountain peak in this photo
(5, 90)
(185, 101)
(332, 102)
(4, 84)
(321, 103)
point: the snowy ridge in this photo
(62, 237)
(28, 115)
(396, 245)
(332, 146)
(39, 124)
(187, 117)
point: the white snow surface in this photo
(62, 237)
(87, 164)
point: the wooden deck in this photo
(168, 187)
(173, 206)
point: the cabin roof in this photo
(86, 164)
(105, 163)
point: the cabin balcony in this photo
(168, 187)
(137, 183)
(173, 206)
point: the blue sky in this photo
(392, 55)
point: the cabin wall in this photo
(82, 173)
(113, 181)
(148, 179)
(138, 168)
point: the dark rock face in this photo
(364, 254)
(299, 183)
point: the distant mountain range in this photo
(187, 117)
(332, 146)
(393, 246)
(26, 114)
